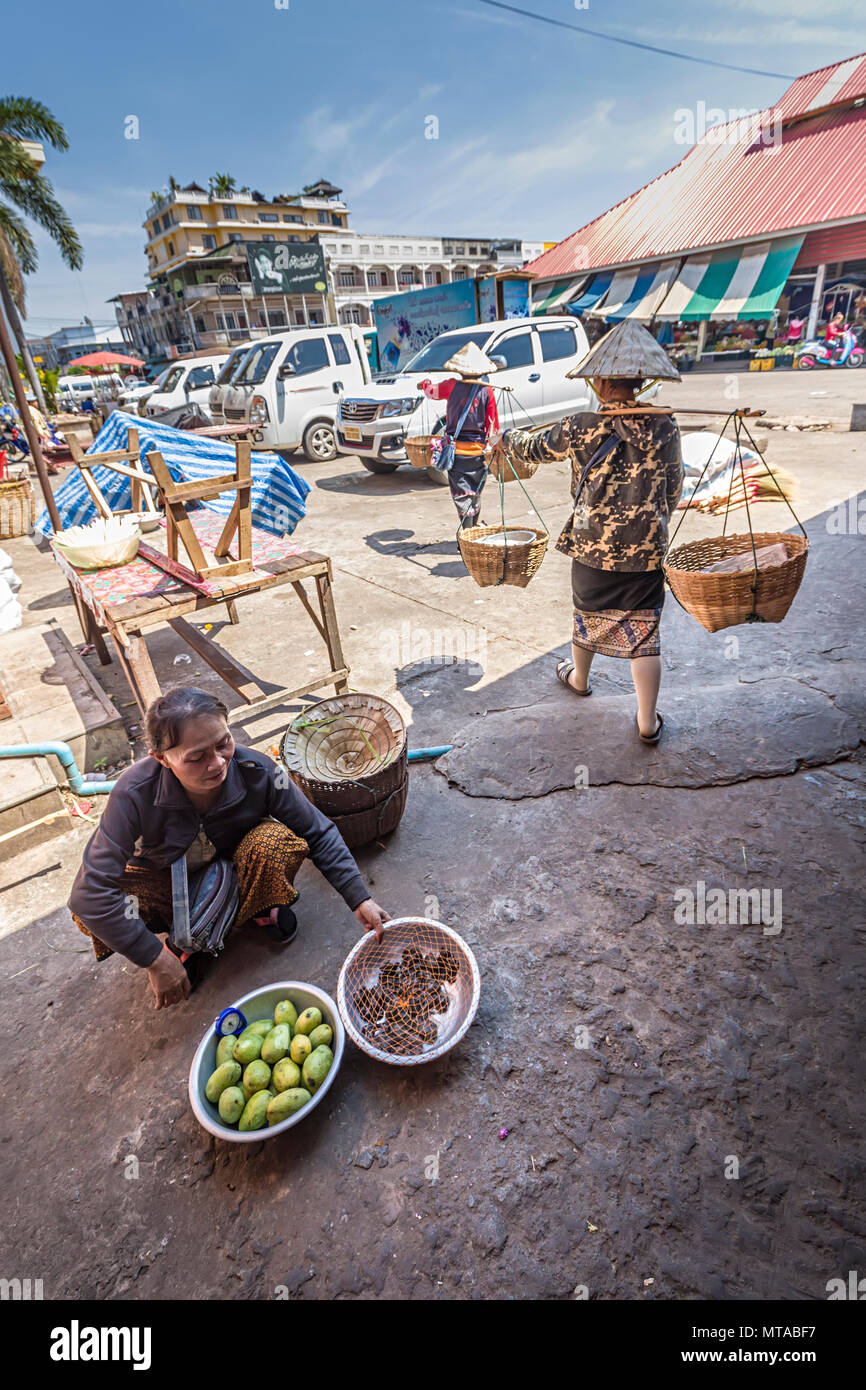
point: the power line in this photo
(633, 43)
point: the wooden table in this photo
(130, 600)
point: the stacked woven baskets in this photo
(724, 600)
(349, 756)
(17, 509)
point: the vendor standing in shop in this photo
(627, 476)
(471, 421)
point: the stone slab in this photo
(713, 736)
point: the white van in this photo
(538, 353)
(289, 384)
(187, 382)
(76, 389)
(218, 390)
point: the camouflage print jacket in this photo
(621, 521)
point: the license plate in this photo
(352, 432)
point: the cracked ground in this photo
(683, 1099)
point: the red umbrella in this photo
(105, 359)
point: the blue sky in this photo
(539, 130)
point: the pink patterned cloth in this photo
(140, 578)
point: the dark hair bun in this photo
(167, 715)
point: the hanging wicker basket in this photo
(502, 564)
(504, 467)
(349, 756)
(724, 600)
(418, 450)
(17, 509)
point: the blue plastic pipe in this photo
(420, 755)
(63, 753)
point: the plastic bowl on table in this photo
(260, 1003)
(101, 544)
(361, 970)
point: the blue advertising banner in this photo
(487, 299)
(407, 322)
(515, 299)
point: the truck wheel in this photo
(378, 465)
(437, 475)
(319, 444)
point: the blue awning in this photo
(598, 286)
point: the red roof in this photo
(725, 191)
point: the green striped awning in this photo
(742, 282)
(551, 297)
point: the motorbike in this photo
(12, 437)
(818, 353)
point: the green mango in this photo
(255, 1112)
(231, 1104)
(262, 1027)
(300, 1049)
(316, 1068)
(286, 1075)
(276, 1044)
(228, 1074)
(257, 1076)
(248, 1048)
(285, 1012)
(324, 1034)
(225, 1049)
(308, 1020)
(286, 1103)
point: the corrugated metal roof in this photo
(724, 191)
(839, 82)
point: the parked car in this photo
(133, 397)
(186, 383)
(288, 387)
(538, 353)
(218, 390)
(75, 390)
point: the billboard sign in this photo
(407, 322)
(287, 268)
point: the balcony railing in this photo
(211, 291)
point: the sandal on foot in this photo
(651, 738)
(563, 674)
(285, 929)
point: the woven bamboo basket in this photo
(505, 564)
(506, 468)
(724, 600)
(418, 450)
(17, 509)
(349, 756)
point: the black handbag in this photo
(204, 905)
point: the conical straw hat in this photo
(628, 350)
(470, 361)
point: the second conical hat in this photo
(628, 350)
(470, 361)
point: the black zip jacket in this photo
(150, 821)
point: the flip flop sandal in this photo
(563, 673)
(650, 738)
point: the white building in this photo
(365, 266)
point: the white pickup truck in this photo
(538, 353)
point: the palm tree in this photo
(23, 190)
(222, 185)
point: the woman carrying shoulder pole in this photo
(627, 476)
(471, 421)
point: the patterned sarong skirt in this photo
(617, 612)
(266, 861)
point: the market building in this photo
(749, 244)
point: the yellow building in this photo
(197, 261)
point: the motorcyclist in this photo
(835, 336)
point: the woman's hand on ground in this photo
(168, 979)
(372, 917)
